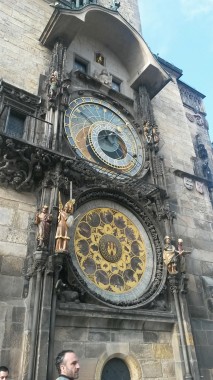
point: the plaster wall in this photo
(86, 48)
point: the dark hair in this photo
(4, 369)
(60, 358)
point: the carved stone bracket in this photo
(40, 261)
(36, 262)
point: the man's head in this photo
(4, 373)
(67, 364)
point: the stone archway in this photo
(132, 364)
(115, 368)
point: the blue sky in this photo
(181, 32)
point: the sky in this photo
(181, 32)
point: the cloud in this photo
(193, 8)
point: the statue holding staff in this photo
(65, 222)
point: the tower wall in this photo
(147, 340)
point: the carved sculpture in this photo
(115, 5)
(43, 220)
(202, 152)
(174, 258)
(65, 221)
(105, 77)
(188, 182)
(169, 256)
(53, 85)
(151, 135)
(147, 128)
(206, 171)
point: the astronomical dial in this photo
(112, 252)
(101, 134)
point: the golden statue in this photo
(174, 259)
(65, 221)
(169, 256)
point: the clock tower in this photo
(94, 218)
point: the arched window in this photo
(115, 369)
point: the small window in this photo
(15, 124)
(99, 58)
(81, 65)
(116, 84)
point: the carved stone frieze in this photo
(191, 98)
(24, 167)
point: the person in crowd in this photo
(4, 373)
(67, 365)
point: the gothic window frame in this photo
(116, 82)
(15, 112)
(81, 61)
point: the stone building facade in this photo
(87, 112)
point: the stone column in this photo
(174, 286)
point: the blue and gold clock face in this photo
(101, 134)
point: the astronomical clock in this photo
(114, 255)
(101, 134)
